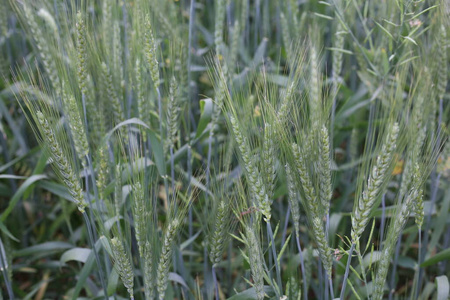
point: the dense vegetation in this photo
(224, 149)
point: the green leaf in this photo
(44, 248)
(189, 241)
(86, 270)
(371, 258)
(113, 281)
(258, 58)
(7, 232)
(410, 39)
(77, 254)
(178, 279)
(407, 262)
(158, 152)
(7, 176)
(443, 255)
(27, 183)
(17, 133)
(16, 160)
(56, 189)
(384, 30)
(423, 11)
(131, 121)
(206, 109)
(443, 287)
(250, 294)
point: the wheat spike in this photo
(360, 216)
(65, 169)
(123, 265)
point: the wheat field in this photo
(224, 149)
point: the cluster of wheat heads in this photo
(292, 125)
(116, 115)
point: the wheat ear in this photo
(360, 216)
(43, 50)
(293, 200)
(256, 261)
(286, 35)
(81, 53)
(312, 203)
(139, 217)
(315, 88)
(165, 257)
(269, 154)
(325, 192)
(394, 233)
(150, 52)
(142, 101)
(254, 177)
(149, 280)
(218, 30)
(117, 64)
(102, 170)
(65, 169)
(219, 235)
(123, 265)
(173, 113)
(77, 128)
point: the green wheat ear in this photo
(43, 49)
(254, 177)
(404, 208)
(123, 265)
(63, 166)
(165, 258)
(326, 191)
(219, 235)
(293, 199)
(314, 208)
(76, 126)
(149, 278)
(256, 262)
(364, 206)
(139, 216)
(150, 51)
(81, 55)
(173, 113)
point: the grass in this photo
(224, 149)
